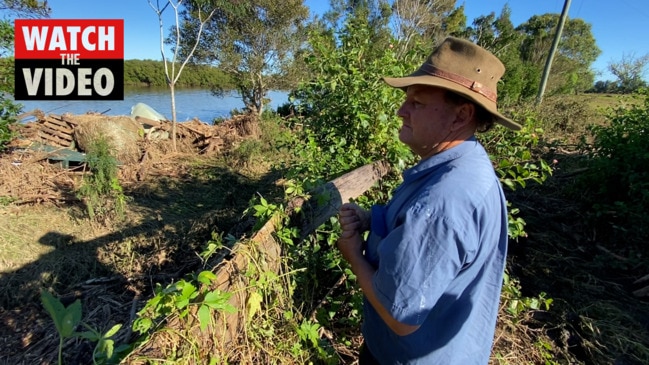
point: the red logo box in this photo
(69, 59)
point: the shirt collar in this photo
(440, 158)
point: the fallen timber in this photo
(227, 330)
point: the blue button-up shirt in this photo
(439, 249)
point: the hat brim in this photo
(425, 79)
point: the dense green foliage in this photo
(577, 50)
(151, 73)
(617, 181)
(349, 116)
(524, 49)
(8, 111)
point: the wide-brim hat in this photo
(464, 68)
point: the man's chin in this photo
(405, 135)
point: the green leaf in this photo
(253, 305)
(71, 318)
(204, 317)
(217, 299)
(106, 347)
(206, 277)
(55, 309)
(187, 290)
(182, 303)
(113, 330)
(142, 325)
(88, 335)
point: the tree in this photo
(630, 72)
(498, 35)
(346, 111)
(14, 8)
(251, 41)
(571, 70)
(418, 20)
(170, 66)
(9, 109)
(26, 8)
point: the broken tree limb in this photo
(644, 292)
(261, 254)
(267, 254)
(327, 199)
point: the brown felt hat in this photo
(464, 68)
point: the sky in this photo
(619, 27)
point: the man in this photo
(432, 269)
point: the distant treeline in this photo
(152, 73)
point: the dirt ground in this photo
(47, 240)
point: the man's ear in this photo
(464, 116)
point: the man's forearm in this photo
(364, 273)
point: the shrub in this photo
(101, 191)
(347, 113)
(617, 181)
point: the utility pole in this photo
(553, 49)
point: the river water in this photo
(190, 104)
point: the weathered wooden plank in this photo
(333, 194)
(58, 125)
(47, 129)
(54, 139)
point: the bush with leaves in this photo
(101, 191)
(347, 113)
(616, 185)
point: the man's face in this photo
(427, 119)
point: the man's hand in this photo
(353, 219)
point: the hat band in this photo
(461, 80)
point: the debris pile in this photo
(50, 150)
(131, 136)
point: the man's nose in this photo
(401, 112)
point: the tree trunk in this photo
(173, 114)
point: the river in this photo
(190, 103)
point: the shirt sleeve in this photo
(417, 261)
